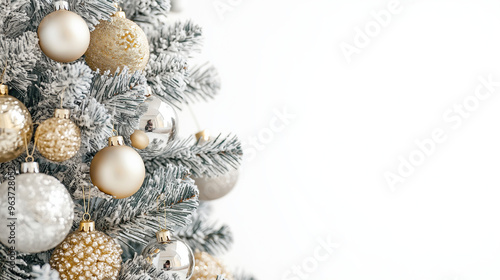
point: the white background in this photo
(322, 175)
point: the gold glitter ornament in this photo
(58, 138)
(117, 43)
(16, 126)
(87, 254)
(208, 267)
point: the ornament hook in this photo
(86, 206)
(158, 209)
(29, 156)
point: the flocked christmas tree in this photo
(91, 73)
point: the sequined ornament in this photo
(117, 43)
(87, 254)
(160, 122)
(63, 35)
(58, 138)
(117, 170)
(170, 255)
(216, 187)
(16, 126)
(43, 210)
(208, 267)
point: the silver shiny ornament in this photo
(160, 121)
(170, 255)
(42, 214)
(217, 187)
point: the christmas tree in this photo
(87, 94)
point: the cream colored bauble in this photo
(63, 36)
(58, 138)
(117, 170)
(117, 43)
(16, 126)
(139, 139)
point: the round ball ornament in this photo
(208, 267)
(63, 35)
(117, 43)
(87, 254)
(16, 126)
(139, 139)
(217, 187)
(117, 170)
(160, 121)
(58, 138)
(43, 210)
(170, 255)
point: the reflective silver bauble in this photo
(160, 121)
(42, 212)
(170, 255)
(217, 187)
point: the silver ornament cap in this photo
(30, 167)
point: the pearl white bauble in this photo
(64, 36)
(117, 170)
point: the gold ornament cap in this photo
(163, 236)
(87, 226)
(4, 90)
(30, 167)
(204, 135)
(61, 113)
(115, 141)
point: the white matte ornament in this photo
(63, 36)
(43, 211)
(217, 187)
(117, 170)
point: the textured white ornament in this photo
(217, 187)
(64, 36)
(43, 210)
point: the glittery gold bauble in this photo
(87, 254)
(208, 267)
(63, 35)
(117, 43)
(15, 126)
(117, 170)
(139, 139)
(58, 138)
